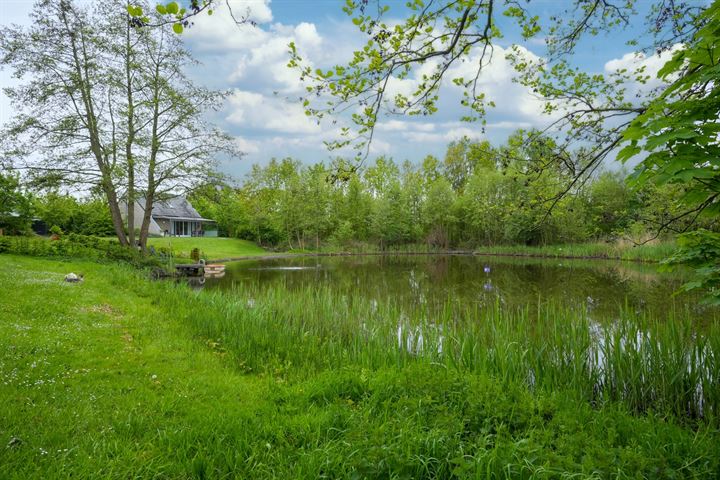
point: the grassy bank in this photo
(210, 248)
(117, 377)
(621, 251)
(654, 252)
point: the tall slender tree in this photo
(106, 103)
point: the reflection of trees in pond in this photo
(438, 267)
(431, 281)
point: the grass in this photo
(118, 377)
(665, 365)
(621, 251)
(212, 248)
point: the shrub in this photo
(77, 246)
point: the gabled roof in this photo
(177, 208)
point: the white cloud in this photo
(496, 82)
(255, 110)
(380, 147)
(247, 146)
(645, 65)
(633, 60)
(458, 133)
(443, 133)
(514, 125)
(402, 126)
(220, 33)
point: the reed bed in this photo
(651, 252)
(664, 365)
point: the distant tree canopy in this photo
(499, 199)
(589, 111)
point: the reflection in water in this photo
(530, 318)
(432, 281)
(286, 268)
(196, 283)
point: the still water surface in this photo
(429, 281)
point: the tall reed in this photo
(667, 365)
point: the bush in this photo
(77, 246)
(4, 244)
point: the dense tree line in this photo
(477, 195)
(20, 207)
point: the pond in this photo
(607, 329)
(431, 281)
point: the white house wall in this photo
(154, 228)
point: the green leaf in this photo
(178, 28)
(161, 9)
(134, 10)
(628, 152)
(172, 8)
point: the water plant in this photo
(667, 365)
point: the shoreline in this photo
(468, 253)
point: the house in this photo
(173, 217)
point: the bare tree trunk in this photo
(145, 228)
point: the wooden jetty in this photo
(214, 270)
(190, 269)
(211, 270)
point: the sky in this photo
(263, 113)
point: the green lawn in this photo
(116, 377)
(211, 248)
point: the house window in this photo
(181, 228)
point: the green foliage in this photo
(76, 246)
(174, 14)
(90, 216)
(678, 134)
(700, 250)
(481, 196)
(15, 206)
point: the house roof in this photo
(176, 208)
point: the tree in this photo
(590, 110)
(15, 206)
(64, 129)
(107, 105)
(439, 213)
(178, 148)
(678, 133)
(609, 199)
